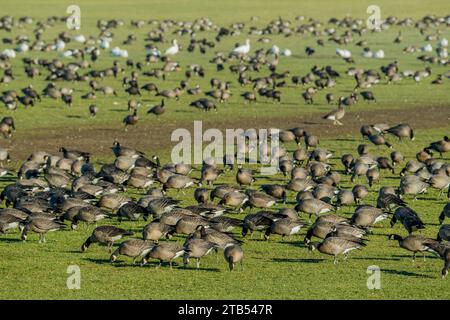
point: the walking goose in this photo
(164, 252)
(313, 206)
(284, 227)
(41, 226)
(156, 230)
(233, 254)
(367, 216)
(197, 249)
(409, 218)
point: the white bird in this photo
(60, 45)
(104, 43)
(343, 53)
(367, 53)
(244, 49)
(379, 54)
(80, 38)
(67, 54)
(10, 53)
(443, 43)
(173, 50)
(427, 48)
(117, 52)
(274, 50)
(286, 53)
(23, 47)
(154, 52)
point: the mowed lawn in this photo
(272, 269)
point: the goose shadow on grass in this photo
(406, 273)
(302, 260)
(10, 240)
(376, 258)
(71, 116)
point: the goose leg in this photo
(335, 260)
(414, 257)
(198, 263)
(242, 265)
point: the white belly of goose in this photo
(295, 230)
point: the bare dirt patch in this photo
(155, 137)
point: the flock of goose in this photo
(53, 190)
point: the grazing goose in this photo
(320, 229)
(335, 246)
(88, 215)
(105, 235)
(225, 224)
(440, 146)
(313, 206)
(409, 218)
(201, 195)
(8, 222)
(401, 131)
(259, 200)
(120, 150)
(234, 199)
(258, 222)
(188, 224)
(388, 201)
(367, 216)
(132, 248)
(233, 254)
(379, 140)
(131, 211)
(178, 181)
(41, 226)
(210, 173)
(197, 249)
(156, 230)
(164, 252)
(414, 243)
(283, 227)
(413, 185)
(160, 206)
(220, 239)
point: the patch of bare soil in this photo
(156, 137)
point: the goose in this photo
(444, 233)
(414, 243)
(133, 104)
(132, 248)
(105, 235)
(88, 215)
(402, 130)
(112, 201)
(373, 176)
(444, 213)
(41, 226)
(189, 223)
(335, 115)
(157, 109)
(173, 50)
(412, 166)
(396, 157)
(335, 246)
(283, 227)
(131, 211)
(178, 181)
(221, 191)
(74, 154)
(234, 199)
(219, 239)
(345, 197)
(441, 146)
(139, 181)
(367, 216)
(388, 201)
(124, 163)
(313, 206)
(378, 140)
(243, 49)
(224, 224)
(244, 176)
(259, 200)
(120, 150)
(156, 229)
(409, 218)
(160, 206)
(8, 222)
(368, 96)
(413, 185)
(233, 254)
(164, 252)
(258, 222)
(130, 120)
(276, 191)
(440, 182)
(196, 248)
(210, 173)
(201, 195)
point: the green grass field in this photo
(273, 269)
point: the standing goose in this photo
(158, 110)
(225, 224)
(335, 246)
(88, 215)
(164, 252)
(234, 199)
(131, 211)
(210, 173)
(201, 195)
(130, 120)
(41, 226)
(413, 185)
(105, 235)
(132, 248)
(8, 222)
(159, 206)
(259, 200)
(336, 115)
(178, 182)
(244, 176)
(258, 222)
(379, 140)
(188, 224)
(440, 146)
(220, 239)
(444, 233)
(233, 254)
(284, 227)
(414, 243)
(388, 201)
(93, 110)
